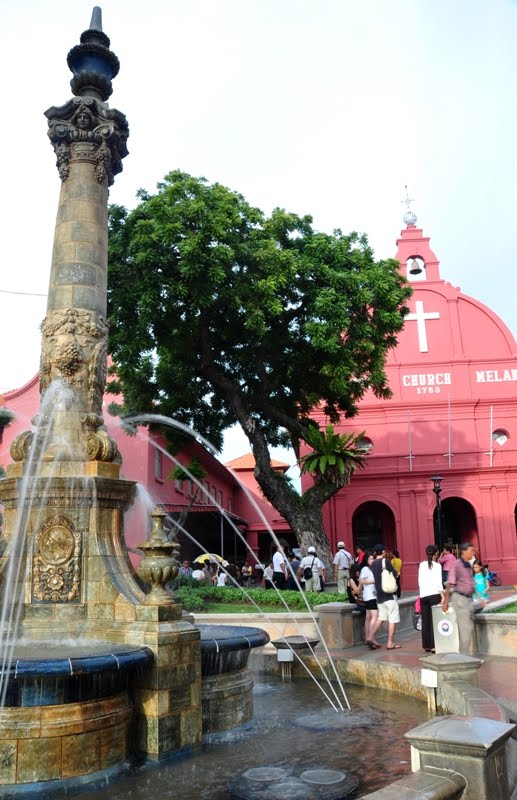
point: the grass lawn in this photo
(243, 608)
(511, 608)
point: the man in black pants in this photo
(279, 568)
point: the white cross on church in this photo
(420, 318)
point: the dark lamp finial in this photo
(92, 62)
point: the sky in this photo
(322, 107)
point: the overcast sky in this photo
(327, 107)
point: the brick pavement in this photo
(497, 675)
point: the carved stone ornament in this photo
(101, 447)
(83, 129)
(57, 562)
(73, 348)
(21, 446)
(160, 562)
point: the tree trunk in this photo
(304, 514)
(307, 523)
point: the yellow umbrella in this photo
(204, 557)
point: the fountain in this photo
(95, 672)
(86, 652)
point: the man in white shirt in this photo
(316, 566)
(342, 561)
(279, 568)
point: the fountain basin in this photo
(49, 673)
(67, 711)
(226, 681)
(295, 643)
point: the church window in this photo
(158, 465)
(500, 436)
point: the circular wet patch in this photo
(265, 774)
(330, 720)
(323, 777)
(292, 782)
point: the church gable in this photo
(452, 347)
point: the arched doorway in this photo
(459, 522)
(373, 523)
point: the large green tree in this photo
(220, 313)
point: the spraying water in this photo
(58, 398)
(161, 419)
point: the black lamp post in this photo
(437, 480)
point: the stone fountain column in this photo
(63, 497)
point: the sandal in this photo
(371, 645)
(393, 647)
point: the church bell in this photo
(415, 268)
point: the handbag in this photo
(307, 572)
(388, 580)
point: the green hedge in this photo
(196, 597)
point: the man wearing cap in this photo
(386, 603)
(317, 567)
(342, 561)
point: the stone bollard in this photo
(336, 625)
(471, 746)
(451, 669)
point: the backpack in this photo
(307, 572)
(388, 580)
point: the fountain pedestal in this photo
(64, 568)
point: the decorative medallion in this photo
(56, 563)
(57, 544)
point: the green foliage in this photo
(192, 470)
(210, 299)
(220, 313)
(334, 456)
(190, 598)
(6, 417)
(197, 598)
(511, 608)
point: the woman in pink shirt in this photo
(447, 559)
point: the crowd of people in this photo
(443, 580)
(462, 583)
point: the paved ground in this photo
(497, 675)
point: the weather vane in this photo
(410, 216)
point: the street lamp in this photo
(437, 480)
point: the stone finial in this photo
(96, 20)
(159, 564)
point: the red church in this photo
(453, 416)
